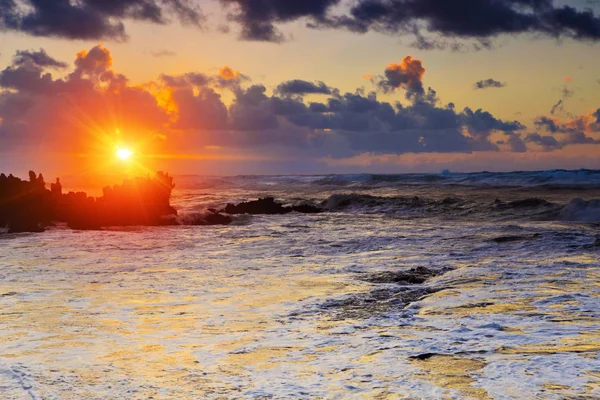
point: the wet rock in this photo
(425, 356)
(450, 201)
(378, 301)
(25, 225)
(268, 206)
(414, 276)
(515, 238)
(530, 203)
(211, 219)
(307, 209)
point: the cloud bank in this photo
(91, 107)
(432, 23)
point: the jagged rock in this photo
(27, 206)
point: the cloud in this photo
(75, 112)
(258, 17)
(574, 130)
(91, 19)
(407, 75)
(300, 87)
(432, 22)
(489, 83)
(163, 53)
(83, 110)
(39, 58)
(548, 142)
(567, 93)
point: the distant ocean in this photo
(450, 285)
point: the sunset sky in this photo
(312, 86)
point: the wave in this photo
(552, 179)
(545, 179)
(579, 210)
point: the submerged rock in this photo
(531, 202)
(414, 276)
(408, 287)
(515, 238)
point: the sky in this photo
(224, 87)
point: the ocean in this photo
(418, 286)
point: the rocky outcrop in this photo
(27, 206)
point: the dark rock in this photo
(509, 239)
(529, 203)
(415, 276)
(424, 357)
(212, 219)
(307, 209)
(449, 201)
(268, 206)
(27, 206)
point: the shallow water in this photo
(279, 307)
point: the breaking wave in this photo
(579, 210)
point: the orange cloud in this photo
(408, 75)
(228, 73)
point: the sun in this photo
(124, 154)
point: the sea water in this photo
(285, 306)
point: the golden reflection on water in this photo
(453, 373)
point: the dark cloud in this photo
(557, 107)
(575, 130)
(567, 93)
(40, 58)
(548, 142)
(258, 17)
(90, 19)
(517, 145)
(434, 24)
(481, 20)
(489, 83)
(547, 123)
(300, 87)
